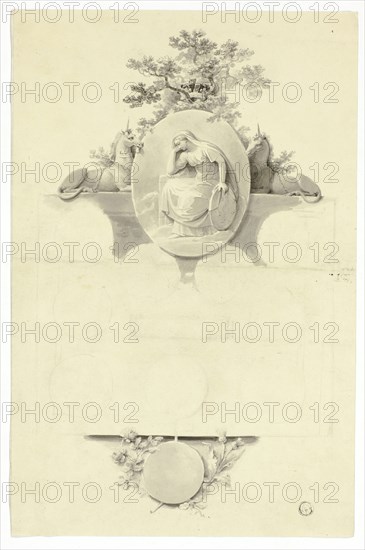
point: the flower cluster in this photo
(131, 456)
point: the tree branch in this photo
(178, 90)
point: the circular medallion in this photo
(174, 473)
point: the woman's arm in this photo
(173, 164)
(222, 172)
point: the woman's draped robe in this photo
(185, 198)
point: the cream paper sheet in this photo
(131, 343)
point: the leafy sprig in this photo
(222, 456)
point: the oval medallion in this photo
(191, 184)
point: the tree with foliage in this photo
(197, 77)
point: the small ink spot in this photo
(305, 508)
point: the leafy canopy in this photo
(196, 78)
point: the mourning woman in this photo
(195, 168)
